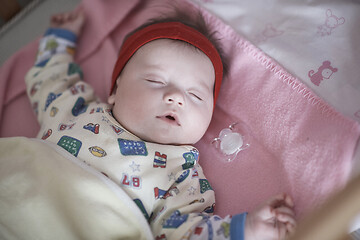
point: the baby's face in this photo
(165, 93)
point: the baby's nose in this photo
(174, 97)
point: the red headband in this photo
(170, 30)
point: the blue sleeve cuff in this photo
(62, 33)
(237, 226)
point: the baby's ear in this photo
(111, 99)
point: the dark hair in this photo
(194, 19)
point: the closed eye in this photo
(154, 81)
(196, 96)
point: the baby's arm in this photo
(61, 36)
(273, 220)
(55, 72)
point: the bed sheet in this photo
(317, 41)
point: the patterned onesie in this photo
(165, 181)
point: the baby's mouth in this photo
(170, 118)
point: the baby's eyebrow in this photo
(154, 66)
(203, 86)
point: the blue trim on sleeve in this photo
(237, 226)
(62, 33)
(42, 64)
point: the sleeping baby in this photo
(164, 88)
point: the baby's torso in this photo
(146, 171)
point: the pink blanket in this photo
(299, 144)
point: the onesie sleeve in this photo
(185, 211)
(55, 76)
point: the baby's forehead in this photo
(174, 48)
(165, 54)
(165, 43)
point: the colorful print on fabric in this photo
(97, 110)
(210, 230)
(131, 181)
(224, 230)
(161, 237)
(47, 134)
(198, 230)
(191, 191)
(50, 98)
(79, 107)
(35, 88)
(142, 208)
(72, 145)
(210, 209)
(159, 160)
(131, 148)
(135, 167)
(183, 176)
(190, 159)
(195, 173)
(164, 194)
(73, 69)
(175, 220)
(70, 50)
(63, 127)
(35, 107)
(77, 89)
(97, 151)
(204, 185)
(94, 128)
(117, 130)
(331, 22)
(53, 111)
(324, 72)
(268, 32)
(51, 45)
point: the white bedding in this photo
(306, 37)
(46, 193)
(303, 36)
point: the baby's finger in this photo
(266, 212)
(56, 18)
(276, 200)
(73, 15)
(68, 16)
(289, 201)
(282, 230)
(285, 210)
(290, 228)
(286, 218)
(55, 21)
(59, 18)
(280, 200)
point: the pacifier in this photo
(231, 141)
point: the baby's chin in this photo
(162, 136)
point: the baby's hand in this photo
(72, 21)
(272, 221)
